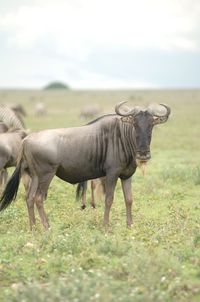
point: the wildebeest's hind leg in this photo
(26, 179)
(39, 199)
(110, 184)
(30, 185)
(40, 196)
(126, 186)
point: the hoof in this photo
(83, 207)
(129, 226)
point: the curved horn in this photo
(167, 113)
(159, 119)
(167, 108)
(158, 115)
(8, 116)
(130, 112)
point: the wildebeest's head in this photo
(143, 121)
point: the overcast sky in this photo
(100, 43)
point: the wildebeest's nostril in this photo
(143, 153)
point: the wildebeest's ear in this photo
(160, 119)
(128, 119)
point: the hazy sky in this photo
(100, 43)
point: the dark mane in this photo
(99, 118)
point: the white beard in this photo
(142, 165)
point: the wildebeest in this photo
(11, 135)
(110, 146)
(40, 109)
(10, 145)
(20, 112)
(9, 118)
(90, 111)
(3, 172)
(97, 185)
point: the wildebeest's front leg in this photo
(110, 184)
(93, 187)
(126, 186)
(41, 194)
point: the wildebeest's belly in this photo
(74, 175)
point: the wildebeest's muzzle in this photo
(143, 155)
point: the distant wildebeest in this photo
(40, 109)
(110, 146)
(90, 111)
(97, 185)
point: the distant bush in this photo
(56, 85)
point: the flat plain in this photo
(77, 259)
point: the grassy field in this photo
(77, 260)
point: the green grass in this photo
(77, 260)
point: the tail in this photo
(81, 188)
(10, 191)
